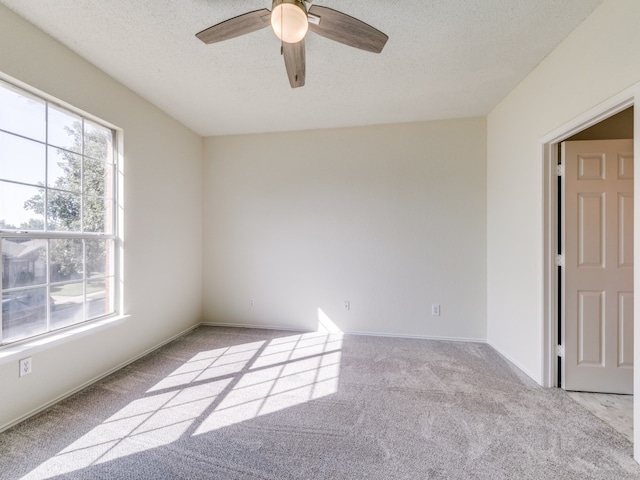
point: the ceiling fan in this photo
(290, 20)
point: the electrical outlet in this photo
(25, 366)
(435, 310)
(252, 301)
(347, 305)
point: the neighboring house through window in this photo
(57, 216)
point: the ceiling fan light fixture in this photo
(289, 20)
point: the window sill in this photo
(25, 348)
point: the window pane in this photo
(67, 304)
(57, 174)
(24, 262)
(24, 314)
(21, 207)
(98, 214)
(63, 211)
(64, 170)
(99, 297)
(21, 113)
(65, 129)
(98, 142)
(65, 260)
(21, 160)
(98, 178)
(99, 257)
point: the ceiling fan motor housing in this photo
(289, 20)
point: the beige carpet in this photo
(225, 403)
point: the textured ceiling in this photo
(444, 58)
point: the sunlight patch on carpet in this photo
(214, 389)
(289, 371)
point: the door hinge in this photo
(559, 170)
(559, 260)
(560, 351)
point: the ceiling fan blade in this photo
(236, 26)
(295, 61)
(342, 28)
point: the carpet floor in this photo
(223, 403)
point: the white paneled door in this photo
(597, 235)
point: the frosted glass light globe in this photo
(289, 20)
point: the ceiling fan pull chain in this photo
(282, 29)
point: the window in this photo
(57, 216)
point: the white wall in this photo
(163, 220)
(390, 218)
(598, 60)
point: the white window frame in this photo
(40, 341)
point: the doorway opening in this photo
(607, 121)
(595, 248)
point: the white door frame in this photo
(549, 155)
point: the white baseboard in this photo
(535, 378)
(247, 325)
(94, 380)
(368, 334)
(419, 337)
